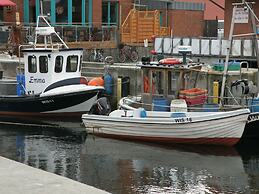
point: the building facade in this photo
(71, 12)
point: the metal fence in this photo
(77, 33)
(242, 47)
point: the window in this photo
(62, 11)
(32, 64)
(86, 11)
(46, 7)
(58, 64)
(72, 62)
(109, 13)
(32, 11)
(77, 11)
(1, 14)
(43, 62)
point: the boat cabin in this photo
(164, 81)
(49, 60)
(45, 66)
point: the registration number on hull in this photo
(252, 118)
(47, 101)
(183, 120)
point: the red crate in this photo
(194, 96)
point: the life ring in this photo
(170, 61)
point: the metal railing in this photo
(76, 33)
(241, 47)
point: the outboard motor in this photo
(101, 107)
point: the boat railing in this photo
(198, 107)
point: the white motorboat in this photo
(218, 128)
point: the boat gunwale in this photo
(167, 121)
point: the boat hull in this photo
(226, 130)
(252, 126)
(69, 104)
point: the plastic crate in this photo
(194, 96)
(232, 66)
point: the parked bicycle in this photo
(96, 55)
(127, 52)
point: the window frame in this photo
(43, 68)
(60, 66)
(32, 69)
(71, 70)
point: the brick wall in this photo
(186, 23)
(97, 13)
(9, 13)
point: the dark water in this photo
(128, 167)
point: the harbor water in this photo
(122, 167)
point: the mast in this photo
(230, 39)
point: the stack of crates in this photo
(232, 66)
(194, 96)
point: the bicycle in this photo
(127, 52)
(96, 55)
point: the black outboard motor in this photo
(102, 106)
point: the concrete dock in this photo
(20, 178)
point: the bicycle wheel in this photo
(100, 58)
(134, 56)
(92, 57)
(109, 60)
(121, 57)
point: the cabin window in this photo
(58, 64)
(32, 64)
(72, 62)
(43, 61)
(158, 82)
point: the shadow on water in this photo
(129, 167)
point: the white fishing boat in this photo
(217, 128)
(50, 84)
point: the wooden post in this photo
(118, 89)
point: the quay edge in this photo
(17, 177)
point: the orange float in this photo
(97, 81)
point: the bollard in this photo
(215, 92)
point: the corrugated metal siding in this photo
(151, 5)
(187, 6)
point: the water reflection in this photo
(128, 167)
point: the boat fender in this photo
(143, 113)
(97, 81)
(108, 84)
